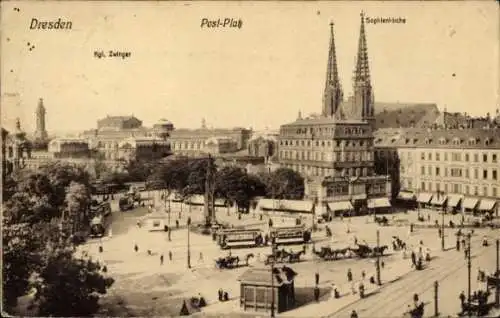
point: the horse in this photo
(379, 250)
(295, 257)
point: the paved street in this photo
(145, 287)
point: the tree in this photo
(235, 185)
(284, 183)
(77, 201)
(69, 286)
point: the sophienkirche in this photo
(58, 24)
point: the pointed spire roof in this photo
(362, 70)
(332, 74)
(40, 107)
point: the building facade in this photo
(139, 149)
(335, 151)
(442, 162)
(69, 148)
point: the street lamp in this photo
(378, 258)
(188, 246)
(273, 248)
(469, 271)
(442, 230)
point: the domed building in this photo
(163, 128)
(18, 147)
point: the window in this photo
(485, 174)
(494, 192)
(476, 173)
(467, 189)
(438, 187)
(485, 191)
(422, 156)
(445, 172)
(467, 173)
(485, 158)
(437, 171)
(437, 156)
(467, 157)
(429, 156)
(445, 156)
(476, 190)
(430, 170)
(494, 174)
(422, 172)
(456, 188)
(476, 157)
(446, 187)
(494, 158)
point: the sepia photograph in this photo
(292, 159)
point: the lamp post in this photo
(469, 272)
(442, 230)
(188, 245)
(497, 277)
(273, 247)
(378, 258)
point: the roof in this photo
(135, 141)
(219, 139)
(262, 276)
(405, 115)
(474, 138)
(322, 121)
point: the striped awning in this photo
(305, 206)
(406, 196)
(378, 203)
(424, 197)
(438, 200)
(469, 203)
(340, 206)
(240, 243)
(486, 205)
(454, 200)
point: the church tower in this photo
(363, 100)
(40, 132)
(333, 95)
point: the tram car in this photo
(290, 235)
(100, 208)
(126, 203)
(98, 225)
(239, 238)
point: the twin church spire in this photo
(361, 105)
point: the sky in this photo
(260, 75)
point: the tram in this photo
(290, 235)
(234, 238)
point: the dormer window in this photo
(407, 141)
(472, 141)
(442, 141)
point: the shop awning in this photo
(340, 206)
(378, 203)
(424, 197)
(305, 206)
(486, 205)
(469, 203)
(454, 200)
(298, 240)
(407, 196)
(438, 200)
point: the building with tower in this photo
(40, 131)
(335, 151)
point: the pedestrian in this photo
(349, 275)
(101, 249)
(150, 253)
(363, 274)
(428, 217)
(221, 294)
(177, 223)
(170, 255)
(355, 240)
(458, 244)
(382, 264)
(136, 248)
(161, 259)
(413, 258)
(201, 256)
(316, 278)
(439, 232)
(354, 314)
(462, 300)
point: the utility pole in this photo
(436, 298)
(378, 258)
(497, 277)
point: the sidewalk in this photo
(328, 305)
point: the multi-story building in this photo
(69, 148)
(263, 145)
(137, 149)
(452, 167)
(334, 151)
(192, 142)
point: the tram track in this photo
(377, 306)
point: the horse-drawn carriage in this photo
(328, 253)
(283, 256)
(228, 262)
(363, 250)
